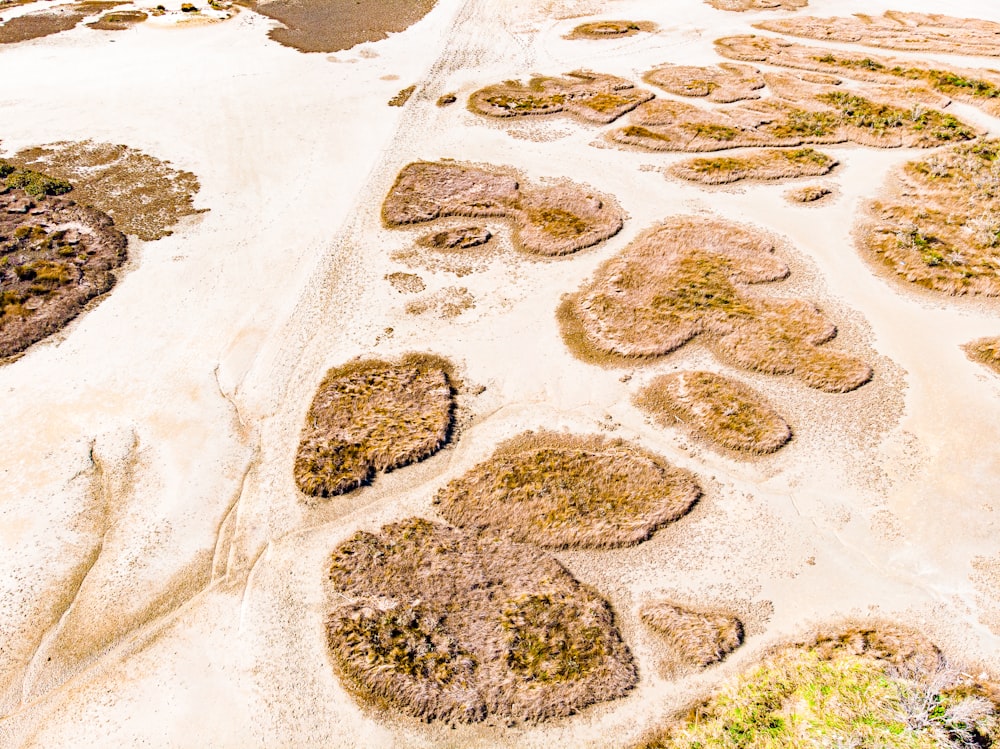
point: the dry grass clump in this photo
(119, 20)
(450, 625)
(763, 165)
(55, 257)
(690, 277)
(719, 409)
(445, 304)
(592, 97)
(371, 415)
(808, 194)
(50, 21)
(406, 283)
(926, 32)
(554, 219)
(719, 83)
(883, 688)
(610, 29)
(144, 195)
(938, 226)
(461, 238)
(696, 639)
(569, 491)
(402, 97)
(741, 5)
(978, 87)
(985, 351)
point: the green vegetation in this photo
(34, 183)
(860, 112)
(765, 164)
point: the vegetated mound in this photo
(691, 277)
(610, 29)
(554, 219)
(55, 256)
(978, 87)
(462, 238)
(741, 5)
(720, 409)
(145, 196)
(985, 351)
(119, 20)
(570, 491)
(722, 83)
(450, 625)
(873, 688)
(49, 21)
(808, 194)
(372, 415)
(824, 116)
(763, 165)
(926, 32)
(938, 223)
(332, 26)
(592, 97)
(695, 639)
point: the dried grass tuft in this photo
(119, 20)
(371, 415)
(808, 194)
(569, 491)
(985, 351)
(610, 29)
(696, 639)
(592, 97)
(764, 165)
(719, 83)
(690, 277)
(402, 97)
(555, 219)
(462, 238)
(938, 224)
(742, 5)
(455, 626)
(719, 409)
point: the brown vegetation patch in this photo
(978, 87)
(610, 29)
(938, 225)
(569, 491)
(719, 409)
(450, 625)
(742, 5)
(402, 97)
(406, 283)
(371, 415)
(50, 21)
(763, 165)
(808, 194)
(917, 32)
(55, 256)
(719, 83)
(449, 302)
(145, 196)
(555, 219)
(592, 97)
(119, 20)
(985, 351)
(695, 639)
(446, 99)
(461, 238)
(690, 277)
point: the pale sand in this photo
(201, 621)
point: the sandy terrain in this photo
(162, 579)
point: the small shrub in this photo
(695, 639)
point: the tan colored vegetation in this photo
(450, 625)
(985, 351)
(691, 277)
(555, 219)
(406, 283)
(402, 97)
(447, 303)
(719, 409)
(865, 687)
(695, 639)
(741, 5)
(938, 224)
(808, 194)
(610, 29)
(145, 196)
(49, 21)
(55, 257)
(119, 20)
(592, 97)
(762, 165)
(926, 32)
(371, 415)
(446, 99)
(978, 87)
(719, 83)
(461, 238)
(569, 491)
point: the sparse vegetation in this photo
(49, 21)
(456, 626)
(985, 351)
(445, 304)
(938, 226)
(765, 164)
(610, 29)
(719, 409)
(808, 194)
(719, 83)
(402, 97)
(556, 219)
(462, 238)
(592, 97)
(119, 20)
(863, 687)
(687, 278)
(742, 5)
(371, 415)
(694, 639)
(406, 283)
(568, 491)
